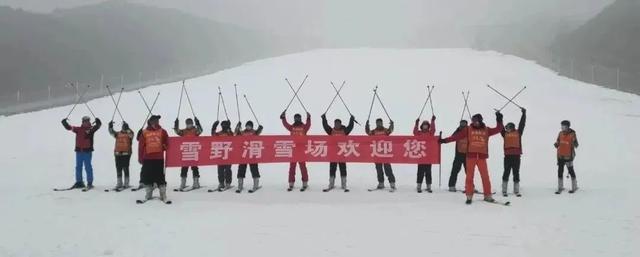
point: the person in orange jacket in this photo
(298, 128)
(512, 152)
(424, 170)
(477, 153)
(190, 131)
(248, 131)
(122, 152)
(566, 145)
(152, 144)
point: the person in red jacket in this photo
(83, 149)
(298, 128)
(337, 130)
(424, 170)
(190, 131)
(225, 174)
(152, 144)
(512, 152)
(380, 130)
(477, 152)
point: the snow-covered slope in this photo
(602, 219)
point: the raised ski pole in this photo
(343, 102)
(186, 92)
(381, 104)
(115, 103)
(296, 92)
(512, 98)
(334, 97)
(431, 100)
(224, 106)
(440, 166)
(237, 102)
(250, 108)
(498, 92)
(78, 100)
(218, 112)
(150, 109)
(373, 99)
(425, 102)
(144, 101)
(90, 111)
(180, 102)
(466, 104)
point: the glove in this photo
(111, 124)
(239, 124)
(417, 120)
(433, 117)
(523, 110)
(282, 116)
(259, 127)
(323, 116)
(176, 123)
(391, 122)
(64, 120)
(441, 141)
(98, 121)
(366, 123)
(308, 114)
(556, 145)
(499, 117)
(352, 117)
(215, 124)
(197, 121)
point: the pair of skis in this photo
(146, 200)
(84, 189)
(570, 191)
(391, 190)
(346, 190)
(220, 189)
(301, 189)
(117, 189)
(186, 189)
(251, 191)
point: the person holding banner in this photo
(122, 152)
(190, 131)
(477, 153)
(298, 128)
(380, 130)
(424, 170)
(152, 145)
(84, 149)
(460, 157)
(337, 130)
(242, 168)
(225, 173)
(512, 152)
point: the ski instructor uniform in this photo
(151, 147)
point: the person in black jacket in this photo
(460, 157)
(337, 130)
(512, 152)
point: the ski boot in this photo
(119, 184)
(489, 199)
(256, 185)
(305, 185)
(393, 187)
(183, 183)
(148, 192)
(560, 186)
(240, 185)
(290, 188)
(196, 183)
(78, 185)
(574, 186)
(452, 189)
(419, 188)
(126, 182)
(429, 188)
(505, 186)
(516, 189)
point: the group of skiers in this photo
(471, 151)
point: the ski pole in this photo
(425, 102)
(334, 97)
(150, 109)
(440, 166)
(514, 97)
(115, 103)
(218, 112)
(237, 103)
(78, 100)
(250, 108)
(372, 101)
(343, 102)
(180, 102)
(494, 90)
(296, 92)
(223, 104)
(466, 104)
(381, 104)
(144, 101)
(431, 100)
(186, 92)
(90, 111)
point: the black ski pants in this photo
(511, 163)
(224, 174)
(185, 170)
(569, 164)
(122, 165)
(242, 170)
(458, 162)
(387, 171)
(424, 171)
(334, 166)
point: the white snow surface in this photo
(602, 219)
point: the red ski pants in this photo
(303, 170)
(484, 174)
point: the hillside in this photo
(602, 219)
(114, 39)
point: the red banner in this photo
(203, 151)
